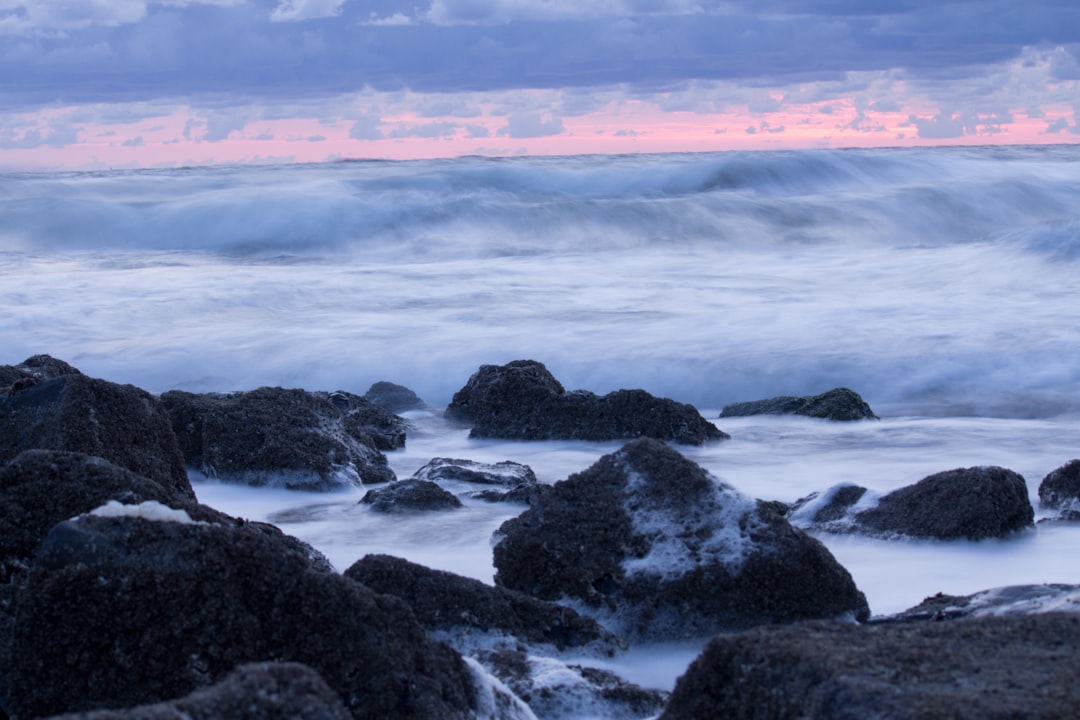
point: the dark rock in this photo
(459, 608)
(655, 548)
(40, 488)
(395, 398)
(75, 413)
(1011, 600)
(123, 611)
(271, 436)
(33, 370)
(1060, 490)
(523, 401)
(258, 691)
(836, 404)
(830, 510)
(410, 496)
(524, 494)
(971, 669)
(506, 473)
(972, 503)
(363, 418)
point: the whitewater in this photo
(940, 284)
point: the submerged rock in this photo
(1060, 491)
(257, 691)
(272, 436)
(523, 401)
(836, 404)
(506, 473)
(75, 413)
(1010, 600)
(655, 548)
(970, 669)
(410, 496)
(125, 610)
(394, 398)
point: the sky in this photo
(91, 84)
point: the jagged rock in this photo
(654, 547)
(972, 503)
(410, 496)
(123, 610)
(363, 418)
(466, 612)
(970, 669)
(836, 404)
(1010, 600)
(1060, 490)
(75, 413)
(506, 473)
(257, 691)
(272, 436)
(524, 494)
(395, 398)
(523, 401)
(40, 488)
(33, 370)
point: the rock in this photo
(363, 418)
(410, 496)
(395, 398)
(467, 612)
(834, 506)
(1011, 600)
(257, 691)
(271, 436)
(75, 413)
(505, 473)
(40, 488)
(836, 404)
(972, 503)
(655, 548)
(971, 669)
(1060, 490)
(523, 401)
(34, 369)
(122, 610)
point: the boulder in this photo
(363, 418)
(1010, 600)
(394, 398)
(31, 371)
(257, 691)
(831, 509)
(655, 548)
(272, 436)
(75, 413)
(407, 496)
(970, 669)
(523, 401)
(506, 473)
(971, 503)
(130, 606)
(836, 404)
(1060, 491)
(467, 612)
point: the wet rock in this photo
(467, 612)
(395, 398)
(972, 503)
(410, 496)
(33, 370)
(1060, 491)
(272, 436)
(970, 669)
(654, 547)
(836, 404)
(831, 507)
(75, 413)
(523, 401)
(257, 691)
(122, 610)
(505, 473)
(363, 418)
(1010, 600)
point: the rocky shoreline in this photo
(121, 596)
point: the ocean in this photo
(940, 284)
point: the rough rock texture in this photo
(410, 496)
(363, 418)
(31, 371)
(458, 607)
(836, 404)
(257, 691)
(655, 548)
(972, 503)
(75, 413)
(833, 506)
(1060, 490)
(1010, 600)
(40, 488)
(971, 669)
(505, 473)
(394, 398)
(523, 401)
(271, 436)
(124, 611)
